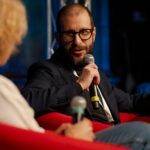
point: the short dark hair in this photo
(68, 7)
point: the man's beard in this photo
(68, 52)
(78, 65)
(89, 50)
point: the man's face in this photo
(76, 45)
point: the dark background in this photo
(129, 41)
(122, 41)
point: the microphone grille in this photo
(88, 58)
(78, 102)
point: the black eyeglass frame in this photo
(73, 33)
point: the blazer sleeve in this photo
(46, 90)
(122, 101)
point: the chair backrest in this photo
(52, 121)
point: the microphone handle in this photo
(77, 114)
(77, 118)
(94, 96)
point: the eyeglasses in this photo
(84, 34)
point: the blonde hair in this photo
(13, 23)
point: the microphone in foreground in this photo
(78, 105)
(95, 99)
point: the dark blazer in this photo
(51, 86)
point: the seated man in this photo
(52, 84)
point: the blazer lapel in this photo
(110, 100)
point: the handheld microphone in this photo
(78, 105)
(95, 99)
(88, 58)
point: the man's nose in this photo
(77, 39)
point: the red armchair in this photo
(51, 121)
(126, 117)
(15, 138)
(19, 139)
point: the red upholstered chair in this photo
(15, 138)
(126, 117)
(12, 138)
(51, 121)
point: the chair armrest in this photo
(128, 117)
(15, 138)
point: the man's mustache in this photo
(78, 47)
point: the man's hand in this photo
(89, 74)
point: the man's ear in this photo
(94, 33)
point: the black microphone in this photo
(78, 105)
(95, 99)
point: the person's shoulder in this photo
(41, 63)
(50, 62)
(5, 80)
(46, 65)
(7, 84)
